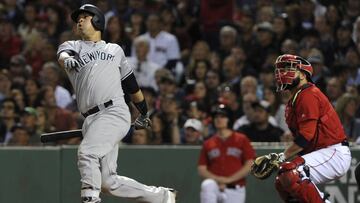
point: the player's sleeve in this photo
(125, 68)
(248, 150)
(307, 115)
(203, 159)
(68, 46)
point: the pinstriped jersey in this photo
(102, 68)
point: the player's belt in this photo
(233, 186)
(97, 108)
(345, 143)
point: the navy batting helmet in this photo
(220, 109)
(98, 20)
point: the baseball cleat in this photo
(171, 195)
(91, 200)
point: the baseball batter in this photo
(320, 147)
(224, 162)
(100, 75)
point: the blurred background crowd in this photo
(188, 57)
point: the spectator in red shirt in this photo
(212, 13)
(58, 117)
(10, 43)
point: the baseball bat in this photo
(61, 135)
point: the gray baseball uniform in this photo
(97, 83)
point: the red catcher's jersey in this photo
(226, 157)
(310, 104)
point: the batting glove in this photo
(71, 63)
(142, 122)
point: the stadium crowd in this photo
(188, 57)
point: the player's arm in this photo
(241, 173)
(137, 97)
(292, 151)
(205, 173)
(307, 132)
(67, 61)
(62, 56)
(139, 101)
(131, 87)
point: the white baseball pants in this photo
(210, 193)
(97, 158)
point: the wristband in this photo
(141, 107)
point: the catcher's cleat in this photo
(90, 200)
(326, 196)
(171, 195)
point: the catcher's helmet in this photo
(285, 68)
(98, 20)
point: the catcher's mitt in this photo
(265, 165)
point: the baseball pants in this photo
(111, 183)
(327, 164)
(97, 159)
(210, 193)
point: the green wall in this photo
(30, 175)
(50, 175)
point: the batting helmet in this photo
(285, 68)
(220, 109)
(98, 20)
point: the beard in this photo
(294, 83)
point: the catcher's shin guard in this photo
(283, 193)
(291, 185)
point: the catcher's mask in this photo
(98, 20)
(285, 71)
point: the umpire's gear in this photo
(98, 20)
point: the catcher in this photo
(319, 152)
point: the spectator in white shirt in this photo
(144, 69)
(50, 75)
(164, 47)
